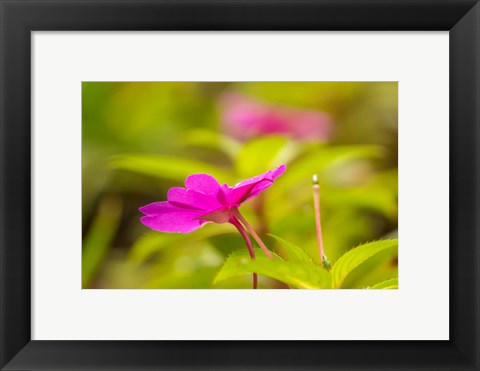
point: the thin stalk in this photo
(259, 207)
(252, 232)
(245, 236)
(318, 225)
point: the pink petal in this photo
(269, 175)
(241, 116)
(218, 216)
(155, 208)
(204, 183)
(274, 123)
(311, 125)
(253, 186)
(192, 198)
(164, 217)
(245, 118)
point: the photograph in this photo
(240, 185)
(223, 185)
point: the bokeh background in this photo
(141, 138)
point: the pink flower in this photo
(204, 200)
(245, 118)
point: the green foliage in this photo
(378, 268)
(97, 242)
(298, 270)
(353, 258)
(167, 167)
(359, 190)
(153, 242)
(296, 275)
(386, 285)
(198, 279)
(326, 263)
(183, 266)
(211, 139)
(291, 252)
(262, 154)
(317, 161)
(378, 194)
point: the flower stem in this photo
(259, 208)
(318, 225)
(245, 236)
(252, 232)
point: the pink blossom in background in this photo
(244, 118)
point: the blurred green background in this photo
(141, 138)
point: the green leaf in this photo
(211, 139)
(153, 242)
(391, 234)
(386, 285)
(315, 162)
(198, 279)
(167, 167)
(262, 154)
(378, 268)
(356, 256)
(291, 252)
(296, 275)
(379, 194)
(99, 237)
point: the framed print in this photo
(239, 185)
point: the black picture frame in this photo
(19, 18)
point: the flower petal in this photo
(164, 217)
(154, 208)
(245, 118)
(253, 186)
(311, 125)
(204, 183)
(193, 199)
